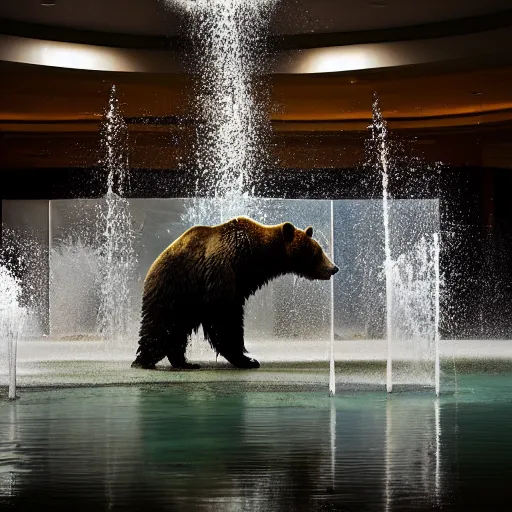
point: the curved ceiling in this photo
(152, 18)
(314, 85)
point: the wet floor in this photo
(257, 447)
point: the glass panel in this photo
(412, 227)
(360, 290)
(292, 309)
(75, 268)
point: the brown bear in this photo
(205, 277)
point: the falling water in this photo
(24, 255)
(332, 369)
(414, 311)
(437, 370)
(21, 296)
(379, 133)
(117, 252)
(12, 316)
(228, 43)
(411, 275)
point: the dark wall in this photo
(476, 257)
(57, 183)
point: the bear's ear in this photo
(288, 231)
(309, 231)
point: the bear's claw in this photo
(138, 364)
(245, 362)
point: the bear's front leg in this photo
(225, 332)
(182, 364)
(242, 361)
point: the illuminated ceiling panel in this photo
(317, 60)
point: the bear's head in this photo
(304, 254)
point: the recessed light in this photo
(48, 3)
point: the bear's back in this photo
(192, 243)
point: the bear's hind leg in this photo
(176, 352)
(225, 331)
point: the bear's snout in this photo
(334, 270)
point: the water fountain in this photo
(116, 243)
(411, 269)
(332, 367)
(228, 40)
(95, 240)
(437, 298)
(12, 316)
(22, 297)
(228, 156)
(379, 132)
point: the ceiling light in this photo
(335, 59)
(48, 3)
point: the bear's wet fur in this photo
(206, 276)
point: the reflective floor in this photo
(255, 446)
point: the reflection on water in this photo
(412, 457)
(256, 448)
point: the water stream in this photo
(379, 132)
(116, 239)
(12, 316)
